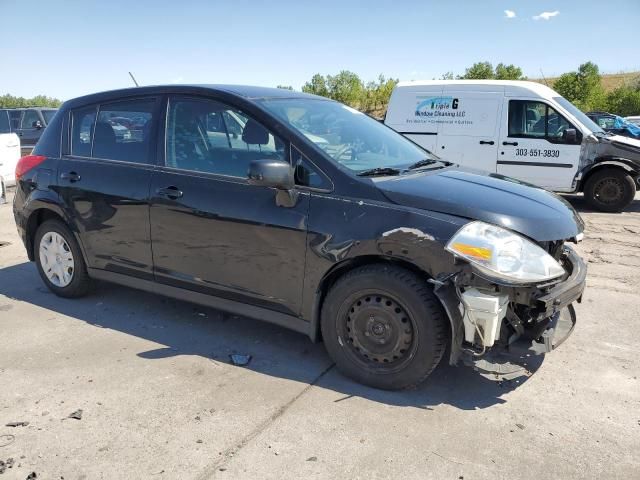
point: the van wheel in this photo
(60, 261)
(610, 190)
(383, 327)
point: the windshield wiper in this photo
(379, 171)
(426, 162)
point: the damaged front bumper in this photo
(532, 320)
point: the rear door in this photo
(214, 233)
(104, 179)
(533, 147)
(468, 122)
(411, 114)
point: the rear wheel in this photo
(383, 327)
(60, 261)
(610, 190)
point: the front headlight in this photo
(503, 254)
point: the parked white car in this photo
(518, 129)
(9, 156)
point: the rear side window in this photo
(82, 124)
(123, 130)
(5, 126)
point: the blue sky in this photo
(70, 48)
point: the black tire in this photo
(409, 313)
(610, 190)
(80, 283)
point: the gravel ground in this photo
(160, 399)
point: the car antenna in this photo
(134, 79)
(543, 78)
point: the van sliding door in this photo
(468, 128)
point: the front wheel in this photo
(610, 190)
(383, 327)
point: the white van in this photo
(518, 129)
(9, 156)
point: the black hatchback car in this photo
(300, 211)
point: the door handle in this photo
(515, 144)
(71, 176)
(485, 142)
(170, 192)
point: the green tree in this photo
(624, 101)
(583, 87)
(345, 87)
(508, 72)
(447, 76)
(9, 101)
(317, 86)
(478, 71)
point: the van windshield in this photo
(580, 116)
(348, 136)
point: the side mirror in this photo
(570, 135)
(271, 173)
(37, 124)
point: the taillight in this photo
(27, 163)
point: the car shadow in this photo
(580, 204)
(187, 329)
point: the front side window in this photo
(208, 136)
(82, 125)
(29, 119)
(306, 173)
(531, 119)
(5, 126)
(123, 131)
(48, 115)
(347, 136)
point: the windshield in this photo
(48, 115)
(579, 115)
(348, 136)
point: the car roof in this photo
(246, 91)
(511, 86)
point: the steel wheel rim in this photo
(379, 331)
(609, 191)
(56, 259)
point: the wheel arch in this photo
(36, 218)
(614, 163)
(342, 268)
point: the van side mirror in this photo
(37, 124)
(570, 135)
(271, 173)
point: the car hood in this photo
(531, 211)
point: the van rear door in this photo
(533, 146)
(410, 113)
(468, 127)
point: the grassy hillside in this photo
(609, 81)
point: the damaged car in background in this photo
(314, 217)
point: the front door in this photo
(534, 146)
(104, 180)
(211, 231)
(468, 128)
(30, 127)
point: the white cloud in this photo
(546, 15)
(509, 14)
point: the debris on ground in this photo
(32, 476)
(240, 360)
(198, 441)
(17, 424)
(520, 426)
(6, 440)
(77, 414)
(312, 459)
